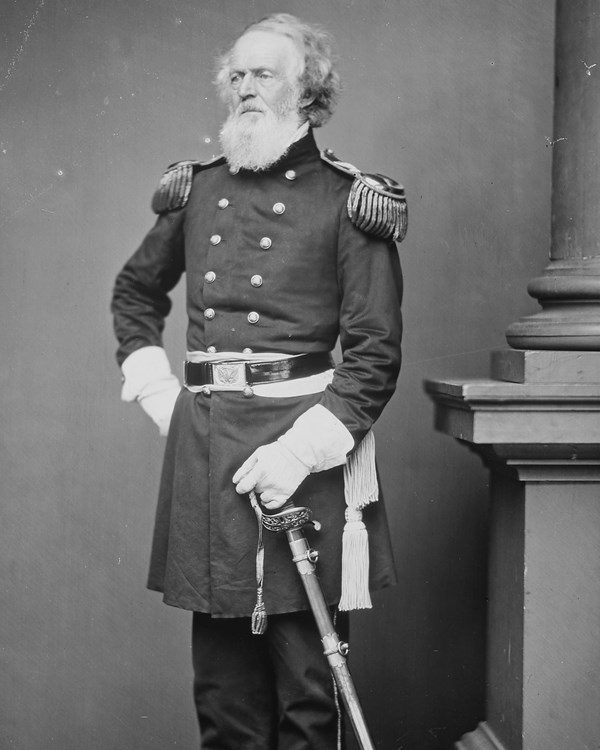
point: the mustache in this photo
(248, 107)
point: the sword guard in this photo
(289, 518)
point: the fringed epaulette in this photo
(376, 204)
(175, 185)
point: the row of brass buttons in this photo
(278, 208)
(247, 391)
(213, 350)
(289, 175)
(256, 280)
(252, 317)
(264, 244)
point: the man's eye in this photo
(264, 75)
(235, 79)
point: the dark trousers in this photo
(264, 692)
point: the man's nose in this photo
(247, 87)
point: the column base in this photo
(574, 327)
(569, 293)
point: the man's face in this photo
(264, 72)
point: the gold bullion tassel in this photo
(361, 489)
(174, 187)
(377, 205)
(259, 615)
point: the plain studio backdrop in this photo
(97, 97)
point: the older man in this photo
(285, 250)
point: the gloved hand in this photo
(157, 399)
(149, 381)
(316, 441)
(273, 472)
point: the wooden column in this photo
(536, 424)
(569, 288)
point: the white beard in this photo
(257, 141)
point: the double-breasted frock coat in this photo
(273, 264)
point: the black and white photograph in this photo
(300, 375)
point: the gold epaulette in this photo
(175, 185)
(376, 204)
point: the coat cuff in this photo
(318, 439)
(144, 367)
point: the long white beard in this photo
(258, 141)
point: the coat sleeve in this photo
(140, 301)
(370, 283)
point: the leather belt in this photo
(240, 374)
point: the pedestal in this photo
(536, 424)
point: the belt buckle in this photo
(229, 374)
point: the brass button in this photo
(210, 276)
(212, 349)
(290, 174)
(256, 280)
(253, 318)
(233, 170)
(206, 391)
(265, 243)
(223, 203)
(209, 313)
(246, 350)
(279, 208)
(215, 239)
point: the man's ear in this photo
(306, 102)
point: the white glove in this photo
(273, 472)
(150, 382)
(158, 401)
(316, 441)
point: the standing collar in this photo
(300, 150)
(301, 132)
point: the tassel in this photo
(259, 615)
(355, 563)
(361, 489)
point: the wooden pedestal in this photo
(540, 438)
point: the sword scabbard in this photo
(292, 520)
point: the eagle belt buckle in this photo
(232, 374)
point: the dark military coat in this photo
(273, 264)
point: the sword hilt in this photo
(288, 518)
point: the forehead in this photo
(265, 49)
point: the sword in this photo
(292, 520)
